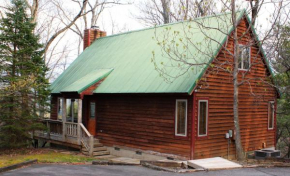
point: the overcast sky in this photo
(122, 16)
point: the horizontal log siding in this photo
(53, 108)
(145, 122)
(253, 109)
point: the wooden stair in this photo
(98, 150)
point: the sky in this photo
(122, 15)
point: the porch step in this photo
(97, 149)
(97, 144)
(98, 153)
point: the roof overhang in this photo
(87, 81)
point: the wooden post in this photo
(63, 118)
(72, 110)
(48, 129)
(79, 120)
(91, 145)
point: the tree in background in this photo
(60, 27)
(158, 12)
(281, 64)
(24, 88)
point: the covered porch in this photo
(68, 128)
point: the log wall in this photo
(145, 122)
(53, 107)
(217, 86)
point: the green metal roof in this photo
(129, 55)
(86, 81)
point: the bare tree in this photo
(33, 7)
(56, 20)
(157, 12)
(95, 9)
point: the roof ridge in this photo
(169, 24)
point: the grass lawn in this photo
(42, 155)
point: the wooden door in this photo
(91, 119)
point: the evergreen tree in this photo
(281, 64)
(23, 86)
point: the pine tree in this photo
(23, 86)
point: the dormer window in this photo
(244, 57)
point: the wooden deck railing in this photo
(71, 129)
(55, 131)
(87, 139)
(54, 126)
(71, 133)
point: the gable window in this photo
(202, 117)
(181, 118)
(244, 57)
(59, 108)
(271, 109)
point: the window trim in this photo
(269, 106)
(198, 116)
(186, 104)
(242, 63)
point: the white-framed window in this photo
(244, 57)
(271, 113)
(181, 118)
(202, 118)
(71, 110)
(59, 108)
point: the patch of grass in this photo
(43, 156)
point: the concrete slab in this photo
(105, 157)
(122, 152)
(213, 164)
(124, 160)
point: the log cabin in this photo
(112, 95)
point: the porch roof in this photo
(85, 82)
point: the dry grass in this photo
(10, 157)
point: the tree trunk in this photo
(200, 8)
(238, 142)
(254, 11)
(166, 11)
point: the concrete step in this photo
(97, 153)
(105, 157)
(95, 149)
(96, 140)
(124, 160)
(101, 153)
